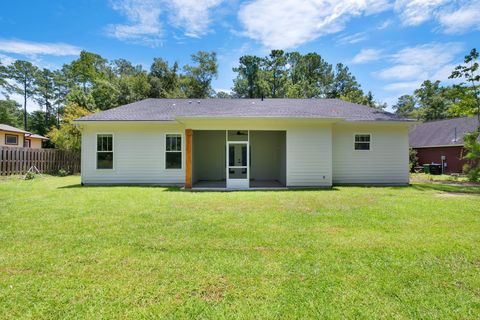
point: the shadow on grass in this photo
(446, 188)
(179, 189)
(109, 186)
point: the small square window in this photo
(11, 139)
(362, 142)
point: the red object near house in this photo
(451, 157)
(442, 142)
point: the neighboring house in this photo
(442, 142)
(244, 143)
(14, 137)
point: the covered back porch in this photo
(236, 159)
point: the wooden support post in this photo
(188, 165)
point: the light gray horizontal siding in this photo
(309, 157)
(385, 163)
(139, 157)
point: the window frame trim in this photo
(96, 151)
(29, 143)
(369, 143)
(12, 135)
(181, 150)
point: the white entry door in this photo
(238, 175)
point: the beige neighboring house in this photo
(14, 137)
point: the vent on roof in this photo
(198, 101)
(190, 102)
(455, 139)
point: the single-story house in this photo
(14, 137)
(244, 143)
(441, 142)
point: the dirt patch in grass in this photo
(213, 291)
(455, 194)
(14, 270)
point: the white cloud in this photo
(366, 55)
(405, 86)
(463, 19)
(33, 49)
(415, 12)
(143, 22)
(6, 60)
(290, 23)
(193, 15)
(385, 24)
(412, 65)
(353, 38)
(454, 16)
(144, 25)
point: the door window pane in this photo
(237, 173)
(237, 155)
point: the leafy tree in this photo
(432, 102)
(472, 155)
(39, 123)
(10, 113)
(81, 98)
(164, 80)
(122, 67)
(44, 91)
(276, 73)
(248, 84)
(470, 72)
(199, 77)
(23, 74)
(462, 100)
(223, 95)
(413, 159)
(310, 76)
(405, 106)
(86, 69)
(68, 137)
(3, 78)
(345, 85)
(105, 95)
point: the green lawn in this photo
(145, 252)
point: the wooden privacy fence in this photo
(19, 160)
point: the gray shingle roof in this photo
(442, 133)
(169, 109)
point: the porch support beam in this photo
(188, 159)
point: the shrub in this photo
(63, 173)
(30, 175)
(472, 155)
(413, 159)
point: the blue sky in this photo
(391, 46)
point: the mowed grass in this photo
(147, 252)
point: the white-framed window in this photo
(11, 139)
(104, 151)
(173, 151)
(27, 143)
(362, 141)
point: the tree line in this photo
(293, 75)
(434, 101)
(91, 83)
